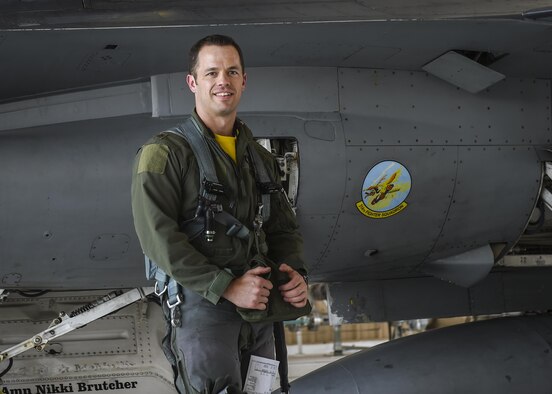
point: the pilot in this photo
(209, 344)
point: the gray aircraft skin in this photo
(422, 136)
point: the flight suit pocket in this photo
(221, 252)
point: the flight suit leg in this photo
(262, 346)
(210, 346)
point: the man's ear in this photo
(190, 80)
(244, 81)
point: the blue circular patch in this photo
(385, 190)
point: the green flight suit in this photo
(165, 189)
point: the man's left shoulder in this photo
(243, 128)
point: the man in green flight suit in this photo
(211, 344)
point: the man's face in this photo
(219, 81)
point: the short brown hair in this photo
(214, 39)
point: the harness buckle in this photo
(210, 225)
(213, 187)
(234, 229)
(176, 317)
(156, 290)
(176, 303)
(269, 187)
(258, 221)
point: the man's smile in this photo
(223, 94)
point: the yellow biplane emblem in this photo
(385, 190)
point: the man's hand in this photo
(250, 290)
(295, 291)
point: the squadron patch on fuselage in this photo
(385, 190)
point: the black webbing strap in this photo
(194, 227)
(281, 355)
(263, 180)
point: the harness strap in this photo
(234, 226)
(210, 187)
(191, 132)
(194, 227)
(281, 355)
(163, 283)
(263, 180)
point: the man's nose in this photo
(222, 79)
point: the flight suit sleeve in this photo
(158, 182)
(284, 241)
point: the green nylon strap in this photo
(262, 178)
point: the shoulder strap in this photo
(265, 183)
(191, 132)
(262, 180)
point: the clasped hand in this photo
(251, 290)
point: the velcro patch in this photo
(153, 159)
